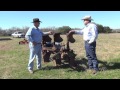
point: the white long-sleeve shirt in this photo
(90, 32)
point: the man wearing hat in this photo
(34, 36)
(90, 34)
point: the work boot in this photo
(31, 71)
(70, 37)
(57, 37)
(95, 71)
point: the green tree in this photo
(100, 28)
(107, 29)
(64, 29)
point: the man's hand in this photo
(50, 32)
(72, 31)
(34, 43)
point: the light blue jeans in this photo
(35, 52)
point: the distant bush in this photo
(62, 30)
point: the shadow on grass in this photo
(66, 66)
(113, 65)
(3, 39)
(103, 65)
(82, 65)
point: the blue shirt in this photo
(34, 35)
(90, 32)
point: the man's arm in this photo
(47, 33)
(94, 32)
(28, 35)
(77, 32)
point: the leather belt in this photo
(87, 40)
(38, 43)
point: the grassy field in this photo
(14, 60)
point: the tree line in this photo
(62, 30)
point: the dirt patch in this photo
(5, 47)
(8, 71)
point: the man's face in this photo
(86, 22)
(36, 24)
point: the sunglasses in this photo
(86, 20)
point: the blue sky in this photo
(21, 19)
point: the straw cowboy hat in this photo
(87, 18)
(36, 20)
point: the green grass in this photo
(14, 60)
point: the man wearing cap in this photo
(34, 36)
(90, 34)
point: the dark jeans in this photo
(91, 55)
